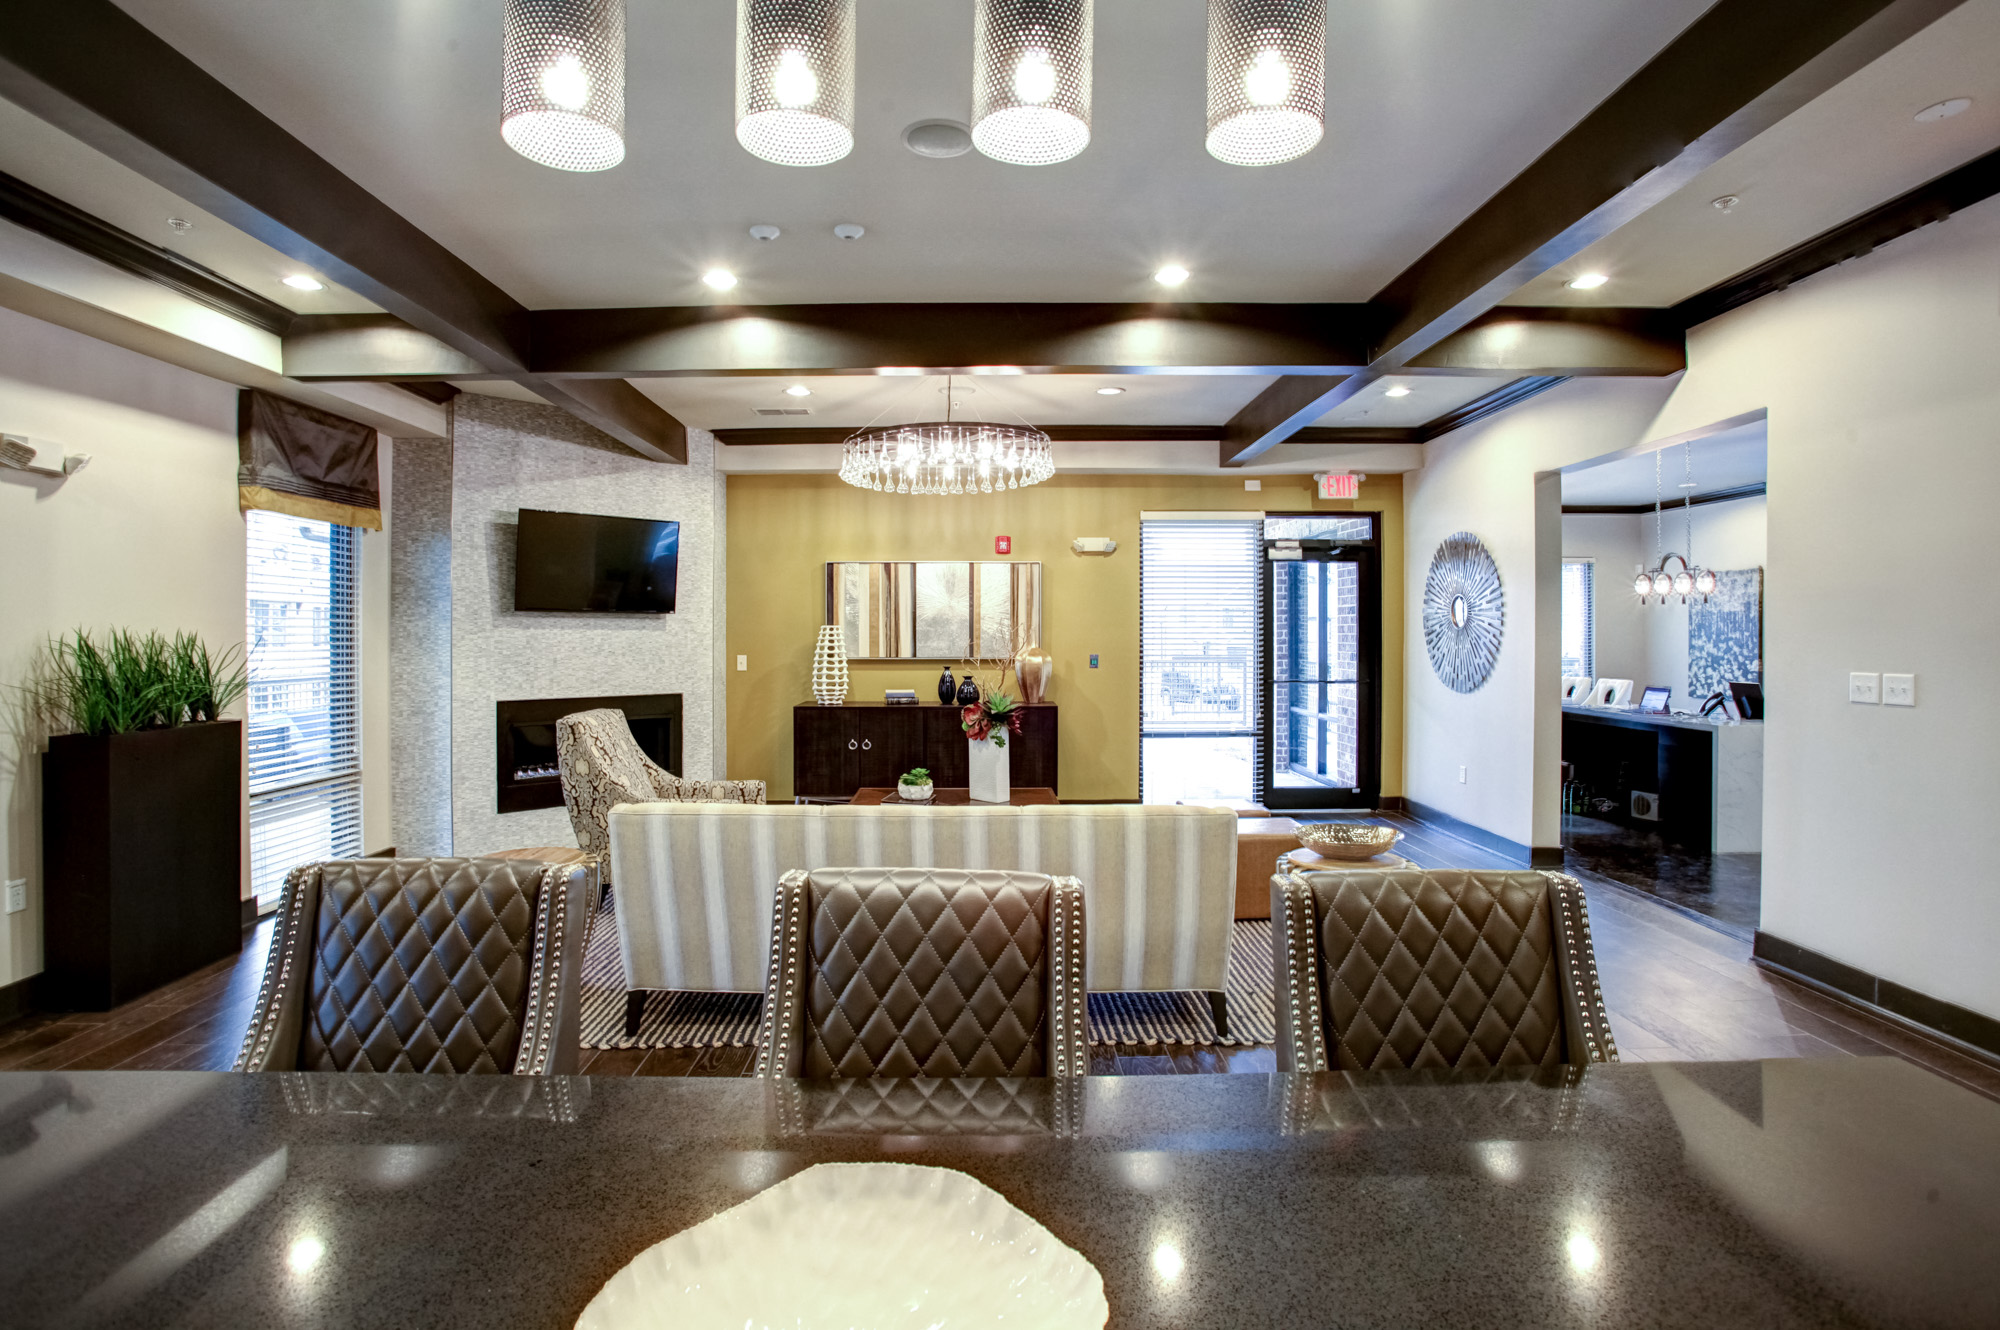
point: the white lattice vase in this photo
(830, 667)
(987, 765)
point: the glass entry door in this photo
(1323, 652)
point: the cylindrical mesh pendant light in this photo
(1266, 79)
(795, 80)
(1031, 79)
(563, 82)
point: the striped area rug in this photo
(729, 1020)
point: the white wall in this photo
(147, 537)
(1877, 851)
(510, 455)
(1648, 642)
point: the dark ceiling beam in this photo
(1975, 182)
(1563, 341)
(45, 214)
(620, 410)
(938, 338)
(93, 71)
(1631, 509)
(1735, 72)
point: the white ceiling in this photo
(53, 162)
(1853, 148)
(1724, 461)
(1432, 106)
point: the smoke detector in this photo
(762, 232)
(849, 231)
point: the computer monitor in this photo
(1654, 699)
(1749, 699)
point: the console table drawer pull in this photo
(852, 745)
(866, 744)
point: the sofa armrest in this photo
(271, 1043)
(1295, 977)
(552, 1028)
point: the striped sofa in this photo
(695, 881)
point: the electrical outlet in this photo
(17, 895)
(743, 662)
(1864, 688)
(1899, 690)
(1461, 775)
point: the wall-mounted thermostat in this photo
(1094, 545)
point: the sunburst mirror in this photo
(1464, 612)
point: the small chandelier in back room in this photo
(949, 456)
(1692, 579)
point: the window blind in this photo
(1200, 652)
(1579, 618)
(304, 696)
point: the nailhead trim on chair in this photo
(1572, 913)
(277, 970)
(538, 1032)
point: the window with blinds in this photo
(1579, 618)
(304, 697)
(1200, 649)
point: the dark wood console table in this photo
(839, 750)
(1020, 796)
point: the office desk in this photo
(1709, 774)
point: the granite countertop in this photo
(1799, 1192)
(1651, 718)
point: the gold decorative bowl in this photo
(1348, 840)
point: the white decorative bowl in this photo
(885, 1246)
(915, 794)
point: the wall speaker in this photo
(1645, 807)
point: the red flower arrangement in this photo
(991, 718)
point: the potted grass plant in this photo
(914, 786)
(141, 813)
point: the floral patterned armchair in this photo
(602, 765)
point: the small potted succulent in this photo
(914, 787)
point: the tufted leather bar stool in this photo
(907, 972)
(1434, 969)
(451, 966)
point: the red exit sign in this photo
(1339, 487)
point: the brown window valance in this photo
(296, 459)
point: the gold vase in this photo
(1033, 667)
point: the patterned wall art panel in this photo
(1726, 633)
(1465, 611)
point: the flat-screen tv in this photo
(602, 565)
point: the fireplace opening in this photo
(527, 771)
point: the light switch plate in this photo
(1864, 688)
(743, 662)
(1899, 690)
(17, 895)
(1253, 485)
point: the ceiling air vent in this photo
(784, 410)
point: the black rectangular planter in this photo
(142, 857)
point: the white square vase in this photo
(987, 762)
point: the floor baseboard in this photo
(1538, 856)
(1960, 1029)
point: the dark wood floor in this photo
(1676, 989)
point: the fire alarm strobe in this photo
(1003, 544)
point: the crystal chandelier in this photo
(1692, 579)
(947, 456)
(1031, 80)
(562, 100)
(1266, 79)
(795, 80)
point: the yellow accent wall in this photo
(783, 530)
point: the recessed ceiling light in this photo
(719, 278)
(764, 232)
(298, 281)
(1109, 392)
(1944, 110)
(1727, 203)
(180, 226)
(798, 390)
(1398, 391)
(1171, 275)
(1590, 281)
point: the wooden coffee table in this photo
(945, 796)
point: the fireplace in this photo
(526, 732)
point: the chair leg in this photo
(635, 1005)
(1218, 1007)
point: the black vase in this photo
(968, 692)
(947, 687)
